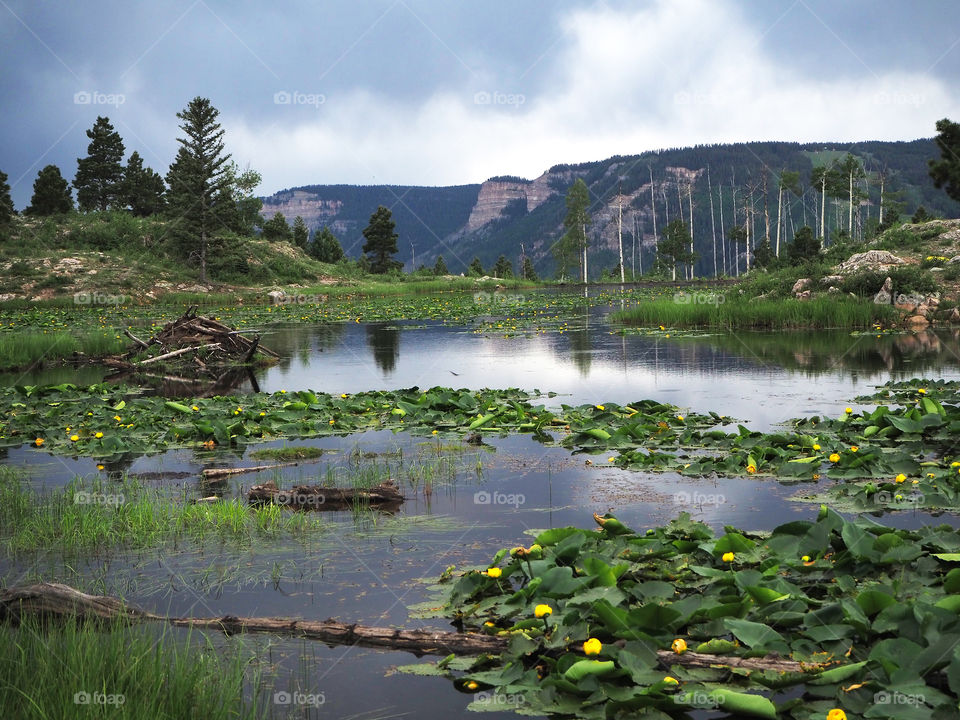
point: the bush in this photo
(906, 279)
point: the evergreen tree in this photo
(142, 187)
(6, 202)
(921, 216)
(804, 246)
(503, 268)
(325, 246)
(440, 267)
(528, 271)
(576, 221)
(381, 244)
(301, 234)
(199, 196)
(946, 171)
(51, 194)
(674, 247)
(476, 268)
(276, 228)
(763, 254)
(99, 180)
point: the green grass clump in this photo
(291, 452)
(819, 313)
(48, 671)
(27, 348)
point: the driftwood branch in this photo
(214, 473)
(181, 351)
(137, 340)
(51, 601)
(384, 496)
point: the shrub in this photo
(906, 279)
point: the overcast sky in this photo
(435, 92)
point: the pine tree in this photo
(503, 268)
(381, 244)
(804, 246)
(143, 188)
(199, 196)
(946, 171)
(476, 268)
(6, 202)
(674, 247)
(301, 234)
(99, 180)
(529, 272)
(276, 228)
(440, 267)
(325, 247)
(51, 194)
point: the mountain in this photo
(507, 215)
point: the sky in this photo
(432, 92)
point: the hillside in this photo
(501, 214)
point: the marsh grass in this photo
(26, 348)
(290, 452)
(819, 313)
(100, 517)
(45, 671)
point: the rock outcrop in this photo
(869, 260)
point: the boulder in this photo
(833, 290)
(805, 295)
(276, 296)
(831, 280)
(869, 260)
(801, 285)
(917, 321)
(954, 260)
(194, 288)
(883, 295)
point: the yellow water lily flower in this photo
(38, 442)
(470, 685)
(900, 478)
(600, 407)
(542, 611)
(74, 438)
(854, 448)
(816, 446)
(728, 557)
(343, 395)
(834, 457)
(922, 391)
(679, 646)
(671, 680)
(195, 408)
(680, 418)
(836, 714)
(494, 572)
(592, 647)
(848, 410)
(751, 468)
(805, 558)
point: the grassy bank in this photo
(24, 349)
(819, 313)
(83, 670)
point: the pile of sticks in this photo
(195, 339)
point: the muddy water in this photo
(370, 567)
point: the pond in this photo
(463, 502)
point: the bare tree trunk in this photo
(713, 226)
(766, 210)
(690, 205)
(823, 210)
(882, 178)
(653, 208)
(779, 215)
(850, 213)
(620, 235)
(735, 248)
(723, 234)
(686, 269)
(586, 275)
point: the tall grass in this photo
(21, 349)
(819, 313)
(48, 670)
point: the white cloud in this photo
(678, 73)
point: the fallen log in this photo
(384, 496)
(212, 473)
(175, 353)
(53, 601)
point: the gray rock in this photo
(801, 285)
(833, 290)
(869, 260)
(831, 280)
(805, 295)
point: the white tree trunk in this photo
(620, 236)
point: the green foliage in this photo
(946, 171)
(200, 196)
(763, 254)
(476, 269)
(381, 242)
(100, 175)
(576, 222)
(804, 246)
(325, 247)
(276, 228)
(440, 267)
(674, 247)
(503, 268)
(301, 235)
(7, 210)
(906, 279)
(528, 272)
(142, 189)
(51, 194)
(921, 216)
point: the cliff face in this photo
(496, 195)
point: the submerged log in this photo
(383, 496)
(54, 601)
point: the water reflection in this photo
(384, 341)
